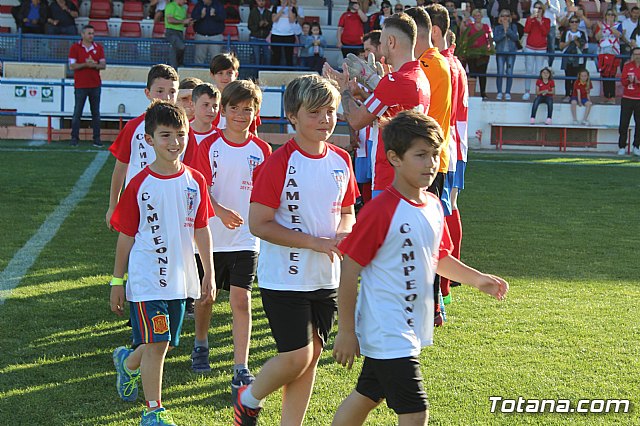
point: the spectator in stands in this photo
(351, 29)
(620, 8)
(630, 104)
(398, 8)
(86, 60)
(628, 26)
(34, 16)
(572, 41)
(62, 18)
(377, 19)
(545, 89)
(551, 11)
(156, 10)
(478, 64)
(260, 27)
(175, 22)
(286, 18)
(634, 39)
(315, 44)
(584, 24)
(454, 18)
(208, 23)
(510, 5)
(536, 30)
(302, 39)
(505, 36)
(371, 43)
(581, 96)
(365, 5)
(608, 34)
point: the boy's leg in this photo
(414, 419)
(240, 300)
(202, 313)
(151, 370)
(354, 410)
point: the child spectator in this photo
(305, 30)
(545, 89)
(314, 45)
(184, 94)
(608, 35)
(227, 160)
(224, 69)
(536, 28)
(581, 96)
(398, 244)
(301, 206)
(157, 251)
(131, 152)
(573, 41)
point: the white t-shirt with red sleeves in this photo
(308, 193)
(161, 213)
(404, 89)
(228, 169)
(399, 244)
(131, 148)
(220, 122)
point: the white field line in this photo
(27, 255)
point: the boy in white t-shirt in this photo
(206, 105)
(398, 244)
(227, 160)
(185, 92)
(301, 206)
(163, 210)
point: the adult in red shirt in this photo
(536, 29)
(478, 64)
(630, 103)
(351, 29)
(86, 59)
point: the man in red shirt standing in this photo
(630, 104)
(351, 29)
(86, 59)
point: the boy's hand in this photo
(328, 246)
(230, 218)
(346, 348)
(207, 292)
(117, 299)
(493, 286)
(108, 218)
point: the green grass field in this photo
(562, 230)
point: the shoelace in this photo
(131, 384)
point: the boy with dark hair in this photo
(301, 206)
(227, 160)
(130, 149)
(155, 246)
(184, 94)
(206, 105)
(397, 245)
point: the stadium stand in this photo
(101, 28)
(133, 11)
(100, 9)
(130, 30)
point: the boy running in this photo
(398, 244)
(162, 212)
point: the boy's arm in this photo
(347, 220)
(123, 248)
(452, 268)
(263, 225)
(346, 346)
(202, 237)
(230, 218)
(117, 181)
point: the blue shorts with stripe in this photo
(362, 166)
(445, 197)
(458, 180)
(156, 321)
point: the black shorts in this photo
(233, 268)
(293, 315)
(437, 186)
(398, 380)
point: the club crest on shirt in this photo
(191, 200)
(340, 177)
(160, 325)
(253, 163)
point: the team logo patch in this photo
(160, 325)
(340, 177)
(191, 200)
(253, 163)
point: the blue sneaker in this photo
(126, 383)
(159, 417)
(241, 378)
(200, 360)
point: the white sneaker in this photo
(621, 151)
(586, 123)
(499, 97)
(526, 96)
(507, 97)
(547, 121)
(575, 122)
(636, 151)
(532, 121)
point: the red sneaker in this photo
(243, 415)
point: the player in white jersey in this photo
(227, 159)
(397, 245)
(163, 210)
(130, 149)
(206, 105)
(185, 99)
(301, 206)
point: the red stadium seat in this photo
(190, 34)
(130, 30)
(311, 19)
(101, 29)
(158, 30)
(133, 11)
(5, 29)
(100, 9)
(232, 32)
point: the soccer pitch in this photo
(563, 230)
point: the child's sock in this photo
(248, 400)
(238, 367)
(201, 343)
(153, 405)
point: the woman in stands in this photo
(286, 17)
(479, 64)
(506, 37)
(572, 41)
(608, 34)
(385, 12)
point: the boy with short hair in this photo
(206, 105)
(224, 69)
(301, 206)
(163, 210)
(397, 245)
(184, 94)
(227, 160)
(130, 149)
